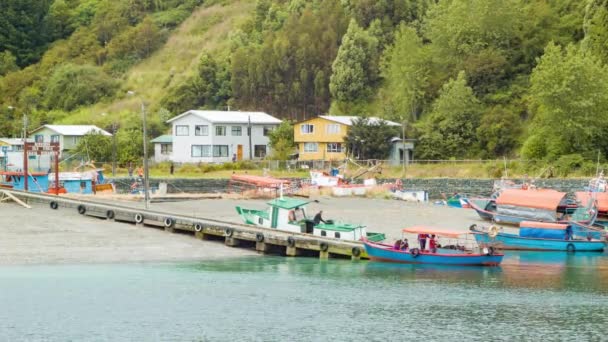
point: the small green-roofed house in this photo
(163, 148)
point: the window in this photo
(200, 151)
(267, 130)
(237, 131)
(39, 138)
(201, 130)
(220, 131)
(334, 147)
(332, 129)
(323, 233)
(166, 148)
(307, 128)
(259, 151)
(220, 150)
(182, 130)
(75, 140)
(55, 138)
(337, 235)
(311, 147)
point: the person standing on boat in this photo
(569, 233)
(318, 218)
(422, 241)
(433, 244)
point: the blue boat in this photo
(487, 256)
(542, 236)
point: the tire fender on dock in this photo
(259, 237)
(82, 209)
(54, 205)
(110, 214)
(169, 222)
(198, 227)
(139, 218)
(228, 232)
(323, 247)
(356, 251)
(291, 241)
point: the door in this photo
(239, 152)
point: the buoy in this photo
(82, 209)
(54, 205)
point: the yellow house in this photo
(322, 138)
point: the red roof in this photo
(432, 230)
(601, 198)
(533, 198)
(19, 173)
(259, 180)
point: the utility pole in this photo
(114, 149)
(25, 166)
(250, 131)
(145, 137)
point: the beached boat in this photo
(543, 236)
(289, 214)
(513, 206)
(483, 255)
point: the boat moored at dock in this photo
(481, 255)
(542, 236)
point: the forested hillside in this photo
(469, 78)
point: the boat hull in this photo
(514, 242)
(381, 252)
(493, 216)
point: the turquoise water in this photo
(534, 296)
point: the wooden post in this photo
(232, 242)
(323, 255)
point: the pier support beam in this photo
(292, 251)
(262, 247)
(323, 255)
(232, 242)
(352, 257)
(169, 229)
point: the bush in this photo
(567, 164)
(71, 86)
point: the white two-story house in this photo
(220, 136)
(68, 136)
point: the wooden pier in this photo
(264, 240)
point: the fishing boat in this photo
(289, 214)
(484, 254)
(542, 236)
(513, 206)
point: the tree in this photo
(281, 141)
(498, 131)
(596, 28)
(405, 72)
(354, 71)
(71, 86)
(368, 139)
(569, 98)
(449, 130)
(95, 146)
(8, 63)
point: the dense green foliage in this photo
(468, 78)
(370, 140)
(281, 141)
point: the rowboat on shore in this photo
(289, 214)
(513, 206)
(542, 236)
(452, 254)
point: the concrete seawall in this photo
(435, 186)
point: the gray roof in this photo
(163, 139)
(218, 116)
(73, 130)
(348, 120)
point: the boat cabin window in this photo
(260, 220)
(323, 233)
(337, 235)
(299, 214)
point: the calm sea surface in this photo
(534, 296)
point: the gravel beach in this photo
(44, 236)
